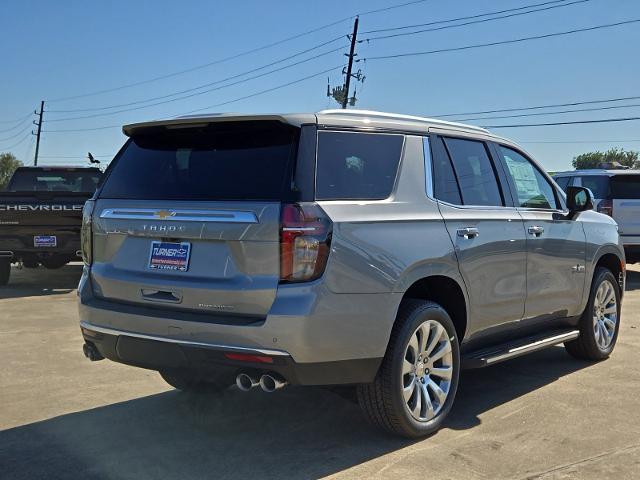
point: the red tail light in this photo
(606, 207)
(86, 241)
(305, 238)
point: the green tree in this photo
(627, 158)
(8, 165)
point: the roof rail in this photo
(373, 113)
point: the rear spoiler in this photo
(203, 120)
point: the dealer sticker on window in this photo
(170, 256)
(40, 241)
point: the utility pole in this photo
(341, 94)
(347, 82)
(39, 124)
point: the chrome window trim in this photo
(428, 167)
(220, 216)
(476, 207)
(112, 331)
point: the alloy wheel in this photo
(427, 370)
(605, 314)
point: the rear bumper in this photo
(314, 336)
(19, 249)
(68, 241)
(161, 353)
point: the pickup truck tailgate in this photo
(24, 216)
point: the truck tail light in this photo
(86, 233)
(606, 207)
(305, 239)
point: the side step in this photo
(489, 356)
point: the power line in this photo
(28, 150)
(262, 67)
(235, 56)
(16, 134)
(573, 110)
(17, 143)
(265, 91)
(197, 93)
(438, 22)
(385, 9)
(536, 107)
(15, 126)
(473, 22)
(18, 120)
(104, 127)
(577, 122)
(504, 42)
(277, 87)
(198, 67)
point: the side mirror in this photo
(579, 199)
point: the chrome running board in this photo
(489, 356)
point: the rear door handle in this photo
(468, 232)
(535, 230)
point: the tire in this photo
(5, 271)
(598, 329)
(188, 381)
(384, 401)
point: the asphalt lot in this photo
(544, 416)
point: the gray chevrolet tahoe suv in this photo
(355, 248)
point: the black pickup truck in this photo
(41, 214)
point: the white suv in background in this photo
(617, 194)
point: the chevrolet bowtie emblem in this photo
(162, 214)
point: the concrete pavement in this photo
(545, 416)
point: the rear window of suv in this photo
(625, 187)
(224, 161)
(598, 184)
(55, 180)
(357, 166)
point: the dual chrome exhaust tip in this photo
(268, 382)
(91, 352)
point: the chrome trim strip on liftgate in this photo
(112, 331)
(220, 216)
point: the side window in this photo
(445, 185)
(533, 190)
(357, 166)
(563, 182)
(474, 172)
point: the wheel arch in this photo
(445, 291)
(612, 260)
